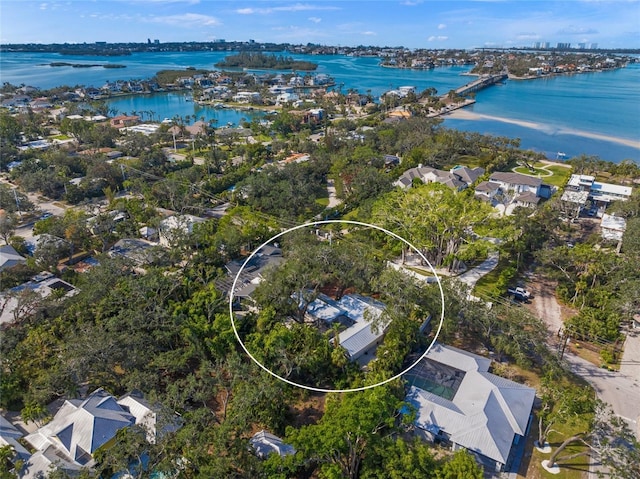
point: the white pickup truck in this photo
(519, 293)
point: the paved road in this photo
(619, 390)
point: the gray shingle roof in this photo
(515, 179)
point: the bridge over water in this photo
(482, 82)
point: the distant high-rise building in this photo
(594, 46)
(563, 46)
(536, 45)
(582, 46)
(546, 45)
(148, 41)
(156, 41)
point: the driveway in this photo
(471, 277)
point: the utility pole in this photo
(15, 195)
(564, 337)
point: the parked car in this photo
(519, 293)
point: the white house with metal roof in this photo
(81, 426)
(359, 314)
(458, 402)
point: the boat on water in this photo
(561, 156)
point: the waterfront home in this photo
(459, 403)
(457, 178)
(287, 98)
(599, 193)
(122, 121)
(520, 183)
(247, 97)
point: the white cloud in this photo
(439, 38)
(369, 32)
(528, 36)
(43, 6)
(315, 19)
(442, 26)
(186, 20)
(298, 7)
(411, 3)
(573, 30)
(188, 2)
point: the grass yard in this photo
(542, 173)
(555, 175)
(560, 174)
(487, 285)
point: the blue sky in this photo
(410, 23)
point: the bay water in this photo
(593, 113)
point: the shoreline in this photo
(472, 116)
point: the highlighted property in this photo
(318, 307)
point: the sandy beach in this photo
(468, 115)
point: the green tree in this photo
(432, 217)
(461, 466)
(353, 423)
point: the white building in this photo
(598, 191)
(458, 402)
(613, 227)
(173, 228)
(358, 314)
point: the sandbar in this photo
(469, 115)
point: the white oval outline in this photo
(322, 390)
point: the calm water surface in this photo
(560, 113)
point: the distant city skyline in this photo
(409, 23)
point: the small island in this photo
(264, 62)
(86, 65)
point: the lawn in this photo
(560, 174)
(486, 285)
(558, 177)
(536, 171)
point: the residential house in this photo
(528, 199)
(80, 427)
(9, 436)
(264, 444)
(122, 121)
(357, 315)
(287, 98)
(23, 299)
(613, 227)
(176, 227)
(247, 97)
(458, 402)
(520, 183)
(487, 190)
(457, 178)
(9, 257)
(250, 274)
(600, 193)
(136, 250)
